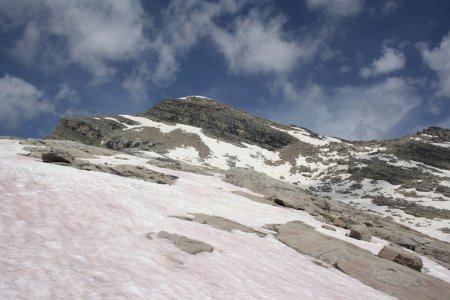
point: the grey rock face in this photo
(54, 157)
(72, 154)
(85, 130)
(340, 214)
(360, 232)
(221, 121)
(186, 244)
(380, 170)
(412, 208)
(384, 275)
(426, 153)
(328, 227)
(402, 257)
(220, 223)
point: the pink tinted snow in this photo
(67, 233)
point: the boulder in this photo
(56, 157)
(360, 232)
(186, 244)
(328, 227)
(401, 256)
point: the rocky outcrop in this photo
(219, 223)
(73, 154)
(221, 121)
(403, 257)
(384, 275)
(186, 244)
(381, 170)
(90, 131)
(54, 157)
(428, 154)
(360, 232)
(412, 208)
(340, 214)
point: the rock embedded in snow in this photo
(56, 157)
(403, 257)
(360, 232)
(328, 227)
(220, 223)
(188, 245)
(384, 275)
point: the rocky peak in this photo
(221, 121)
(437, 134)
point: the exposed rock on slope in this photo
(341, 214)
(186, 244)
(221, 121)
(389, 277)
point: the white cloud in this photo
(99, 32)
(136, 84)
(20, 102)
(67, 94)
(353, 112)
(254, 43)
(438, 59)
(390, 61)
(445, 123)
(25, 48)
(257, 44)
(390, 6)
(94, 34)
(340, 8)
(117, 39)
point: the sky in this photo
(355, 69)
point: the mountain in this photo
(192, 198)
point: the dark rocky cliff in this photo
(217, 120)
(221, 121)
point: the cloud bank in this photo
(20, 101)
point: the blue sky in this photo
(356, 69)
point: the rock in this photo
(220, 223)
(328, 227)
(221, 121)
(429, 154)
(186, 244)
(360, 232)
(402, 257)
(384, 275)
(411, 208)
(56, 157)
(382, 227)
(140, 173)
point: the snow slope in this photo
(67, 233)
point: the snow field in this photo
(68, 233)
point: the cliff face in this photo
(221, 121)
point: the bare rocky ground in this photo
(384, 275)
(74, 154)
(339, 214)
